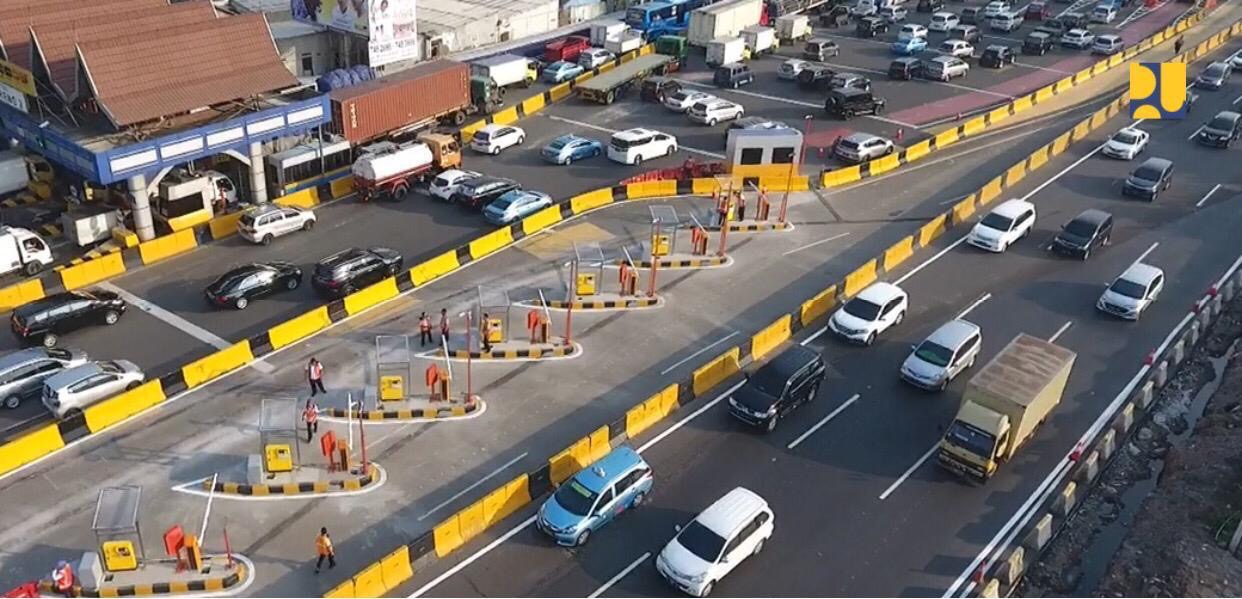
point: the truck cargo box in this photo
(415, 97)
(1024, 381)
(723, 19)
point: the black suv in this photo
(871, 26)
(1149, 179)
(847, 102)
(996, 56)
(1038, 43)
(772, 391)
(733, 75)
(816, 76)
(1222, 130)
(349, 270)
(477, 193)
(44, 321)
(929, 5)
(905, 68)
(1087, 231)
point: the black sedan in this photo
(238, 286)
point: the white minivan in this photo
(1006, 21)
(633, 146)
(730, 530)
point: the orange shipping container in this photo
(417, 96)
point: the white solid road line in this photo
(1037, 67)
(698, 353)
(181, 324)
(985, 297)
(1236, 100)
(908, 472)
(1192, 135)
(615, 579)
(742, 92)
(821, 423)
(1151, 248)
(1060, 331)
(928, 261)
(813, 244)
(1203, 201)
(612, 131)
(470, 488)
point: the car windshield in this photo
(970, 438)
(861, 308)
(934, 353)
(849, 143)
(441, 181)
(1221, 123)
(247, 219)
(1147, 173)
(680, 96)
(1126, 137)
(997, 221)
(701, 541)
(558, 143)
(1215, 70)
(1080, 228)
(481, 135)
(1128, 288)
(575, 498)
(110, 366)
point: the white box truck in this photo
(725, 50)
(624, 42)
(759, 39)
(790, 28)
(23, 250)
(506, 70)
(603, 30)
(723, 19)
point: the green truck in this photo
(1003, 405)
(606, 87)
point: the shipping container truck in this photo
(723, 19)
(386, 169)
(507, 70)
(412, 100)
(607, 87)
(1003, 406)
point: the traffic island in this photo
(757, 226)
(305, 480)
(413, 409)
(512, 351)
(163, 577)
(601, 302)
(685, 261)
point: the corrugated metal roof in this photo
(54, 43)
(148, 75)
(262, 5)
(288, 29)
(16, 17)
(451, 14)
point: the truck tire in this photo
(398, 192)
(459, 118)
(33, 268)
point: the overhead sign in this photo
(13, 98)
(1158, 90)
(393, 32)
(18, 78)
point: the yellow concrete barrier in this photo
(209, 367)
(651, 411)
(1015, 174)
(533, 104)
(947, 138)
(491, 242)
(446, 536)
(842, 176)
(704, 186)
(1081, 130)
(962, 210)
(771, 337)
(1037, 159)
(998, 114)
(600, 445)
(167, 246)
(541, 220)
(974, 126)
(1022, 104)
(93, 271)
(918, 150)
(507, 116)
(299, 327)
(395, 567)
(307, 198)
(898, 253)
(885, 164)
(503, 502)
(117, 408)
(1061, 143)
(860, 278)
(29, 447)
(434, 268)
(590, 200)
(345, 590)
(564, 464)
(560, 92)
(1043, 94)
(342, 187)
(715, 372)
(471, 521)
(608, 66)
(651, 189)
(818, 305)
(932, 230)
(224, 225)
(990, 191)
(370, 582)
(21, 294)
(361, 300)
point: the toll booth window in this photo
(183, 206)
(752, 156)
(782, 155)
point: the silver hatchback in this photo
(945, 353)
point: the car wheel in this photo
(638, 159)
(813, 393)
(595, 153)
(583, 538)
(670, 150)
(771, 425)
(1086, 254)
(267, 239)
(11, 402)
(495, 150)
(870, 339)
(521, 140)
(711, 122)
(638, 500)
(33, 268)
(132, 385)
(758, 547)
(565, 161)
(900, 317)
(241, 303)
(293, 283)
(308, 225)
(707, 588)
(347, 289)
(72, 415)
(49, 340)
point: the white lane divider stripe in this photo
(473, 486)
(1060, 331)
(985, 297)
(815, 243)
(611, 131)
(698, 353)
(908, 472)
(821, 423)
(1203, 201)
(622, 574)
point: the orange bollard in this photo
(532, 323)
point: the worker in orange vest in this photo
(424, 330)
(310, 415)
(62, 579)
(323, 547)
(485, 331)
(314, 375)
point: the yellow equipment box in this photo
(495, 330)
(119, 556)
(278, 458)
(587, 283)
(392, 387)
(659, 245)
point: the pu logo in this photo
(1158, 90)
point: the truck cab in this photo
(23, 250)
(672, 45)
(485, 95)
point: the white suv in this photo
(446, 183)
(1010, 221)
(1136, 288)
(730, 530)
(956, 48)
(873, 311)
(266, 222)
(711, 112)
(493, 138)
(633, 146)
(861, 147)
(945, 68)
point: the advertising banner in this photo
(349, 16)
(393, 31)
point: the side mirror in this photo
(676, 528)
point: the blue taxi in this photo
(594, 496)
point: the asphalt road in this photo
(859, 510)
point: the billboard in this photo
(389, 25)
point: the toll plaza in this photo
(674, 244)
(118, 565)
(592, 285)
(495, 332)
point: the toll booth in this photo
(116, 528)
(279, 450)
(394, 367)
(664, 225)
(754, 153)
(495, 303)
(588, 269)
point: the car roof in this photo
(605, 471)
(1108, 37)
(792, 359)
(1156, 162)
(1012, 208)
(1093, 215)
(907, 59)
(731, 511)
(879, 293)
(996, 48)
(635, 132)
(946, 59)
(850, 92)
(17, 358)
(1140, 272)
(943, 13)
(859, 137)
(50, 302)
(262, 209)
(72, 375)
(953, 333)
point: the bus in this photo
(652, 15)
(305, 166)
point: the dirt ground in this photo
(1160, 521)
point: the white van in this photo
(633, 146)
(1006, 21)
(730, 530)
(23, 250)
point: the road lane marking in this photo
(612, 131)
(1151, 248)
(181, 324)
(821, 423)
(928, 262)
(1049, 69)
(796, 102)
(1192, 135)
(1236, 100)
(814, 336)
(622, 574)
(472, 486)
(909, 471)
(813, 244)
(1064, 327)
(698, 353)
(985, 297)
(1201, 202)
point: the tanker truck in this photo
(387, 169)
